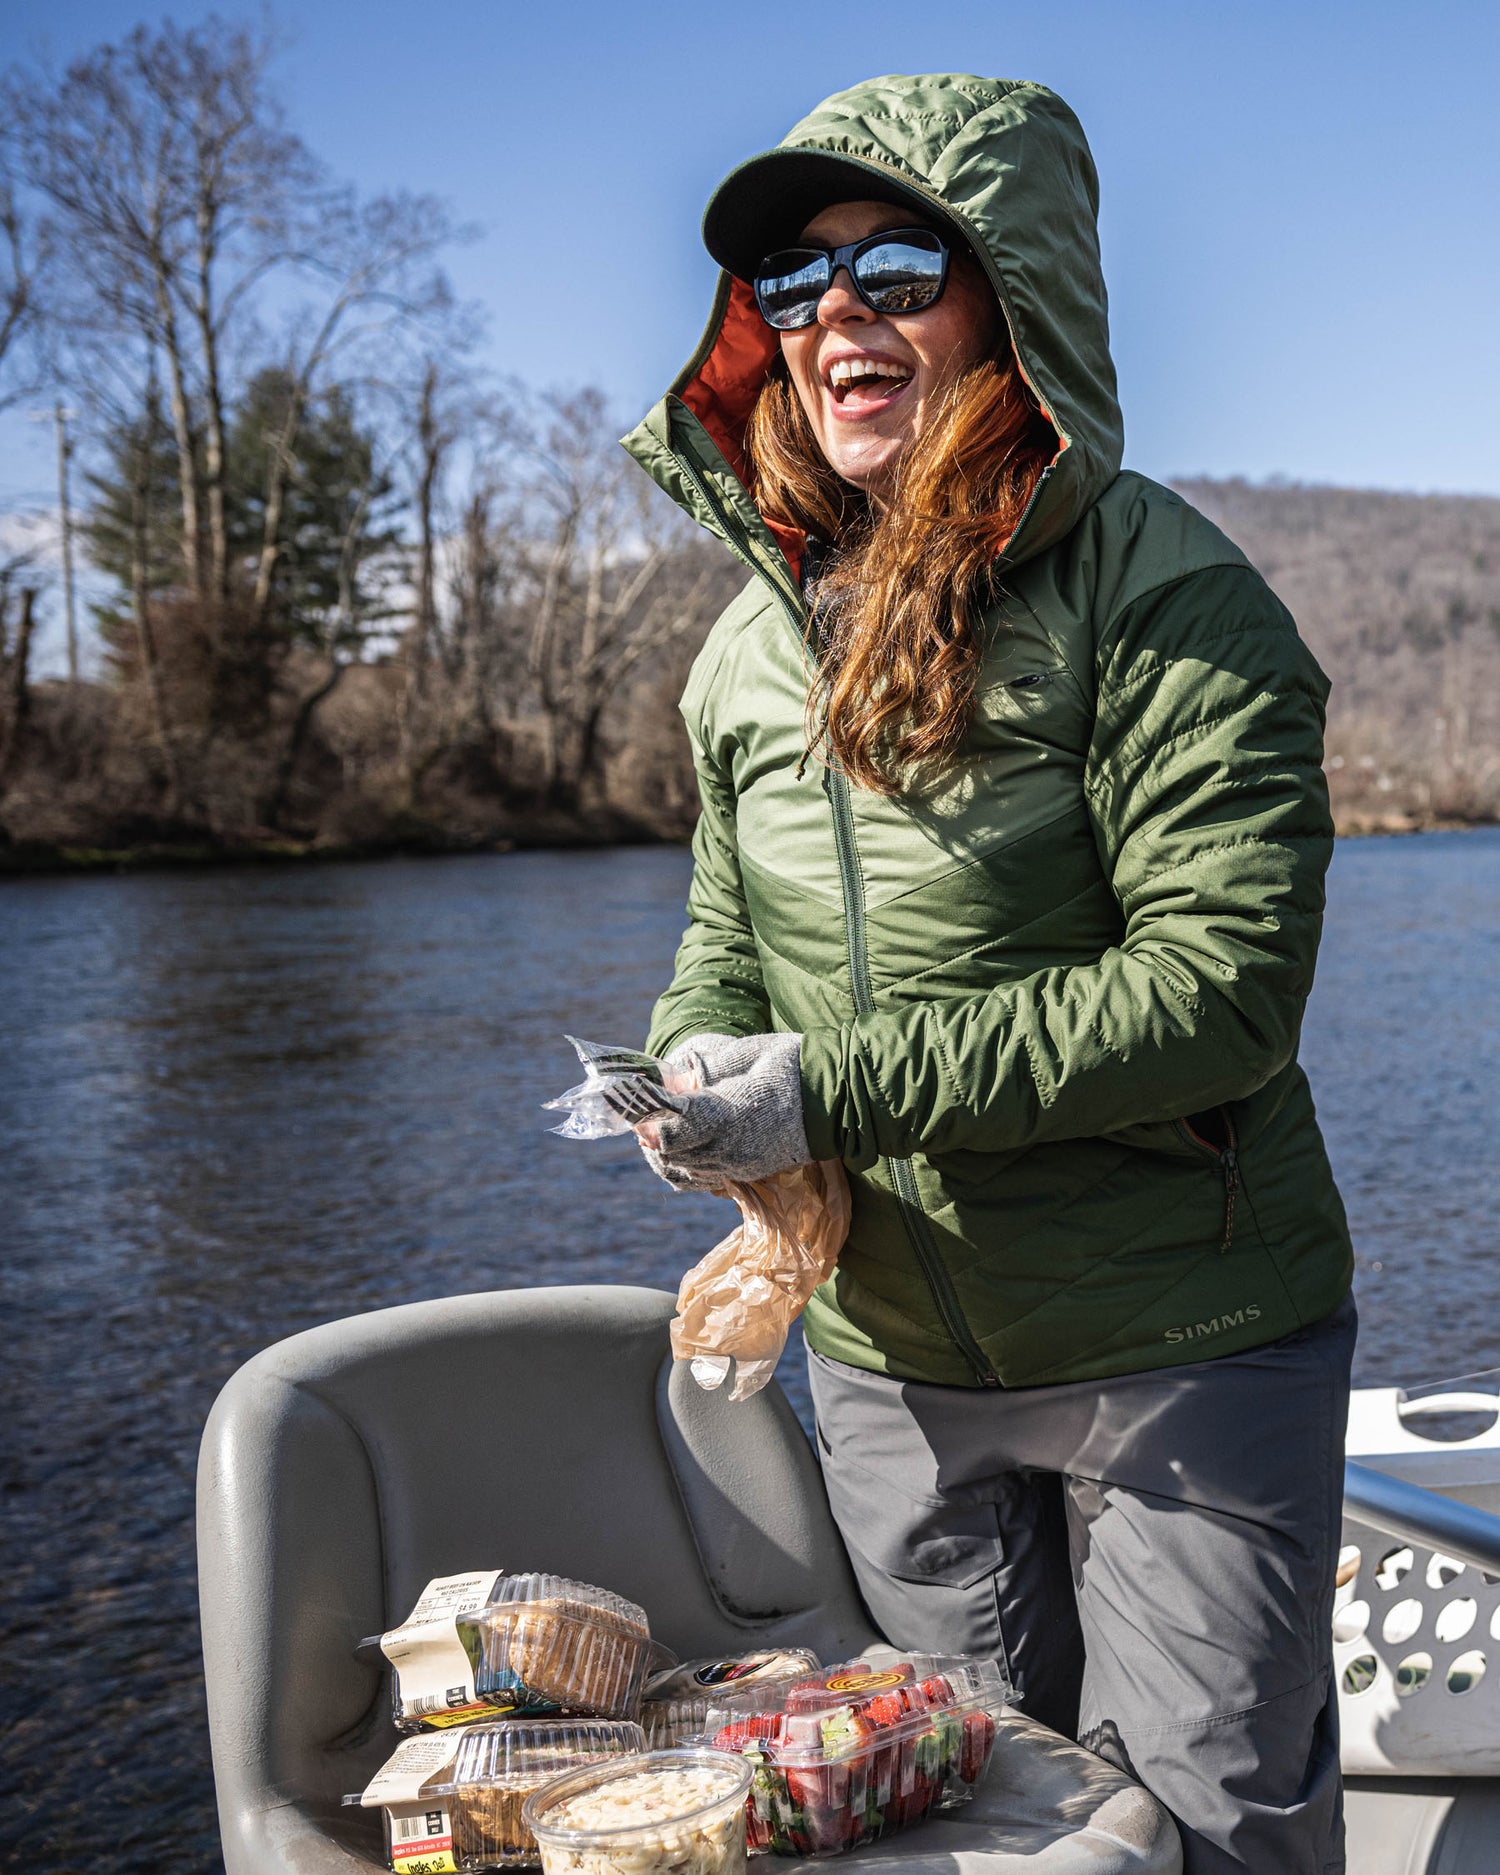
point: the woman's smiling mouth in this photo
(861, 384)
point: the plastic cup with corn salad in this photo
(662, 1813)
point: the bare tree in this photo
(610, 584)
(344, 635)
(249, 184)
(374, 264)
(142, 458)
(173, 197)
(21, 259)
(171, 191)
(15, 660)
(439, 422)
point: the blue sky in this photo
(1301, 202)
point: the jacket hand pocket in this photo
(1190, 1138)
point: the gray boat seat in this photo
(539, 1429)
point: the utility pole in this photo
(59, 417)
(64, 451)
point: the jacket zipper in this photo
(738, 541)
(1228, 1157)
(918, 1230)
(836, 787)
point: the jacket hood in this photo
(1007, 165)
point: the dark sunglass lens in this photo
(789, 285)
(901, 276)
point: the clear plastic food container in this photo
(453, 1800)
(851, 1753)
(479, 1646)
(664, 1813)
(678, 1701)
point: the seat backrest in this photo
(528, 1429)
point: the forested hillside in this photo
(348, 593)
(529, 697)
(1399, 596)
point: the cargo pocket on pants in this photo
(926, 1569)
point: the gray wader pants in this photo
(1150, 1557)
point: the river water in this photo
(236, 1103)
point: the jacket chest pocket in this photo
(1037, 711)
(1026, 751)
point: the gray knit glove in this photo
(687, 1058)
(745, 1120)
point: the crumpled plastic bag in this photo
(736, 1307)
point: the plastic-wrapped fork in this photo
(602, 1059)
(634, 1098)
(624, 1089)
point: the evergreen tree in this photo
(338, 533)
(132, 523)
(337, 524)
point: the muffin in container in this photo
(663, 1813)
(498, 1644)
(453, 1800)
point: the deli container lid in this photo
(682, 1697)
(494, 1753)
(730, 1777)
(872, 1700)
(705, 1679)
(582, 1599)
(491, 1593)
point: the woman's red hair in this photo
(901, 603)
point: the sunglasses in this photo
(902, 270)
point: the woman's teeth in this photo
(844, 373)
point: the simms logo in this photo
(1193, 1331)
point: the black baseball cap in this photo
(768, 200)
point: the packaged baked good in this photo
(677, 1701)
(452, 1800)
(483, 1645)
(664, 1813)
(853, 1752)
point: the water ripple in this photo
(236, 1104)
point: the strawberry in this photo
(741, 1732)
(978, 1736)
(927, 1774)
(817, 1810)
(950, 1731)
(758, 1827)
(834, 1830)
(749, 1737)
(785, 1822)
(884, 1708)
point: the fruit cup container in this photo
(854, 1752)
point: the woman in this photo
(1007, 893)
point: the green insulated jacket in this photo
(1050, 1004)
